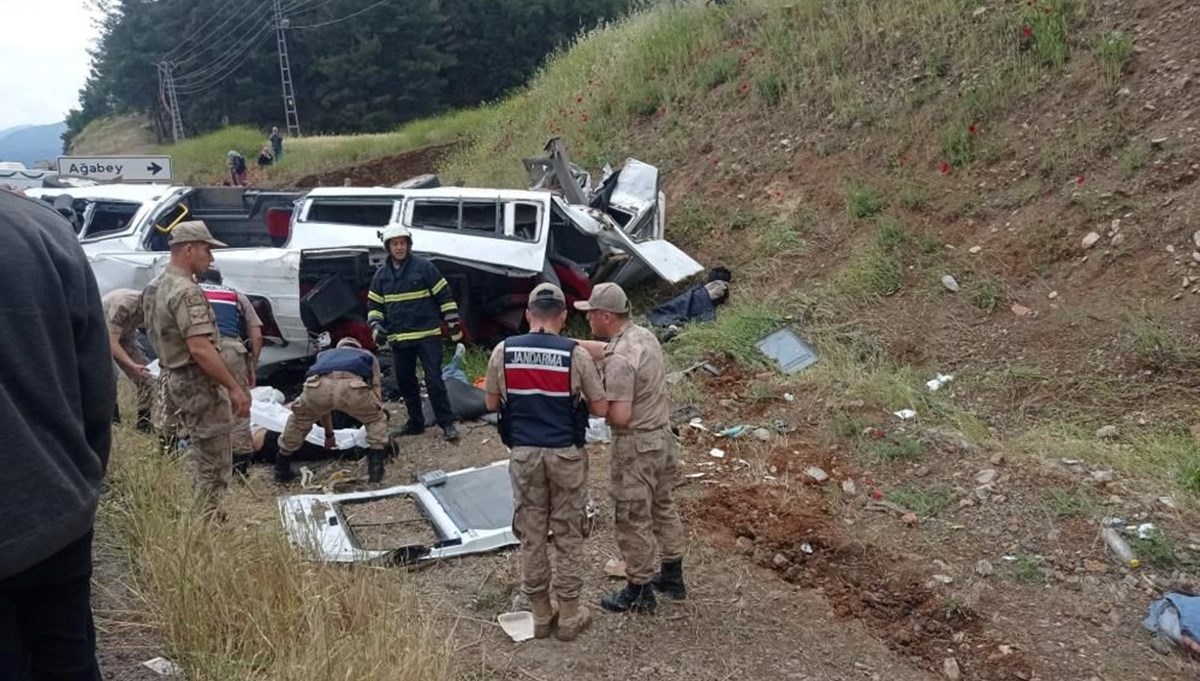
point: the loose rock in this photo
(745, 545)
(950, 669)
(1196, 238)
(1118, 239)
(944, 579)
(975, 249)
(950, 283)
(781, 561)
(1091, 239)
(909, 518)
(1103, 476)
(849, 488)
(984, 569)
(986, 476)
(997, 458)
(816, 473)
(762, 434)
(1107, 432)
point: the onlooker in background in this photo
(56, 402)
(237, 169)
(265, 157)
(276, 143)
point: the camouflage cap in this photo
(545, 293)
(606, 297)
(193, 230)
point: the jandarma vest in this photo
(225, 308)
(539, 410)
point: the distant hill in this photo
(30, 144)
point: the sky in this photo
(43, 59)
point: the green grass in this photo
(870, 273)
(914, 195)
(1157, 550)
(929, 243)
(770, 88)
(1114, 51)
(1027, 569)
(986, 295)
(891, 234)
(958, 145)
(1071, 503)
(896, 447)
(926, 502)
(864, 201)
(1135, 157)
(717, 70)
(734, 332)
(1048, 22)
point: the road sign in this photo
(117, 168)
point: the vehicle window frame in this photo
(85, 235)
(505, 220)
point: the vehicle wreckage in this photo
(305, 260)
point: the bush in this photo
(864, 202)
(770, 88)
(717, 70)
(1114, 51)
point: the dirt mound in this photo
(381, 172)
(884, 589)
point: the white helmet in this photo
(394, 231)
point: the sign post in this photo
(117, 168)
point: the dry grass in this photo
(234, 602)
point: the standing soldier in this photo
(407, 303)
(182, 328)
(345, 379)
(644, 457)
(540, 382)
(123, 316)
(236, 321)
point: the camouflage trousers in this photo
(338, 391)
(237, 360)
(550, 495)
(200, 408)
(143, 387)
(642, 474)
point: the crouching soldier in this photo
(544, 385)
(345, 379)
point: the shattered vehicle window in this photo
(525, 221)
(357, 212)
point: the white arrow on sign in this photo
(117, 168)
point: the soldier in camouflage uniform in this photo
(645, 456)
(184, 332)
(123, 315)
(545, 386)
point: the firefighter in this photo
(407, 303)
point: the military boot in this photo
(375, 465)
(633, 598)
(144, 424)
(543, 614)
(669, 580)
(283, 469)
(241, 463)
(572, 619)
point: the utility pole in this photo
(169, 100)
(285, 72)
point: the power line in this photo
(210, 48)
(195, 35)
(368, 8)
(219, 63)
(300, 8)
(231, 63)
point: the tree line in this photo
(356, 65)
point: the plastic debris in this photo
(1120, 547)
(733, 432)
(788, 350)
(717, 453)
(937, 382)
(161, 665)
(788, 397)
(698, 424)
(518, 625)
(1146, 530)
(905, 414)
(695, 475)
(806, 547)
